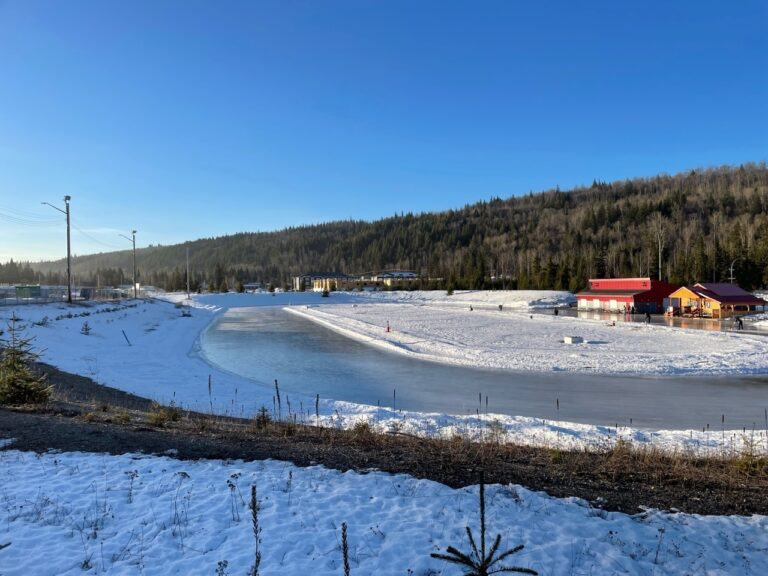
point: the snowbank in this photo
(72, 513)
(492, 338)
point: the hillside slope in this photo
(705, 220)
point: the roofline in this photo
(621, 293)
(627, 279)
(641, 278)
(748, 298)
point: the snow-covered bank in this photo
(492, 338)
(149, 348)
(479, 299)
(79, 513)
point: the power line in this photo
(84, 233)
(28, 222)
(52, 223)
(37, 220)
(23, 214)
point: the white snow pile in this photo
(491, 338)
(478, 299)
(76, 513)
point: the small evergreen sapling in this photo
(477, 562)
(19, 382)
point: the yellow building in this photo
(396, 278)
(333, 282)
(716, 300)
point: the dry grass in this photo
(161, 416)
(623, 476)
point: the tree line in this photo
(706, 222)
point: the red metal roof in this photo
(610, 292)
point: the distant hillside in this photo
(706, 220)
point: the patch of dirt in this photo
(89, 417)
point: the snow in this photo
(76, 513)
(156, 515)
(489, 338)
(150, 348)
(489, 299)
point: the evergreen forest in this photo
(705, 224)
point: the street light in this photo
(732, 263)
(133, 240)
(69, 254)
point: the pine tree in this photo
(481, 561)
(19, 382)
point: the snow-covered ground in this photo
(83, 513)
(79, 513)
(150, 348)
(449, 332)
(479, 299)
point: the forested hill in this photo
(705, 220)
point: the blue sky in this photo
(187, 119)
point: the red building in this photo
(624, 294)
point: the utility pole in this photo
(187, 272)
(69, 251)
(133, 240)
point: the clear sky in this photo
(188, 119)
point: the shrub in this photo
(161, 415)
(363, 431)
(123, 417)
(263, 418)
(750, 462)
(496, 431)
(20, 383)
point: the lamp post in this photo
(69, 252)
(133, 240)
(732, 263)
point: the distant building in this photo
(716, 300)
(395, 278)
(624, 294)
(333, 281)
(304, 281)
(337, 281)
